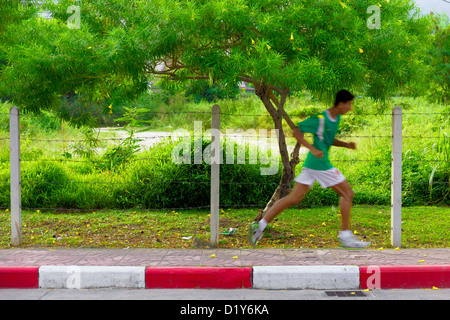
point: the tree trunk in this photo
(265, 93)
(287, 176)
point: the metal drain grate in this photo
(345, 294)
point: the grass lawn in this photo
(423, 227)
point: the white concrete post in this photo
(396, 183)
(215, 174)
(14, 140)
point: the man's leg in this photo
(346, 193)
(346, 235)
(294, 198)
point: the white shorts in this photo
(327, 178)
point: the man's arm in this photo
(301, 139)
(348, 145)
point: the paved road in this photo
(217, 294)
(147, 139)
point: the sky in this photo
(437, 6)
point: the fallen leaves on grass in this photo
(295, 228)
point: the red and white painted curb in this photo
(19, 277)
(405, 277)
(198, 277)
(258, 277)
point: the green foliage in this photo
(319, 46)
(82, 113)
(159, 183)
(78, 174)
(116, 157)
(12, 13)
(438, 60)
(201, 90)
(121, 47)
(87, 146)
(41, 183)
(428, 183)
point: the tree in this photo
(11, 13)
(276, 45)
(438, 59)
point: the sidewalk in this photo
(222, 257)
(214, 268)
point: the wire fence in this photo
(423, 160)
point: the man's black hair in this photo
(343, 96)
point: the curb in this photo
(84, 277)
(19, 277)
(405, 277)
(306, 277)
(257, 277)
(198, 277)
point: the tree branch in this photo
(280, 106)
(247, 79)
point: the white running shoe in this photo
(254, 234)
(348, 240)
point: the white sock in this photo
(262, 224)
(346, 233)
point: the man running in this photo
(317, 167)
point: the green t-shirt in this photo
(324, 128)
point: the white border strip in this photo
(83, 277)
(306, 277)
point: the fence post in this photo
(215, 173)
(14, 140)
(396, 176)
